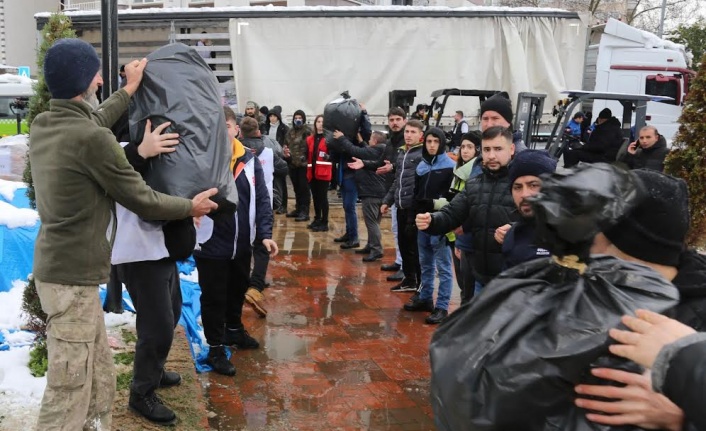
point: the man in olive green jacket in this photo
(79, 172)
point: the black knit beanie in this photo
(69, 68)
(499, 103)
(605, 114)
(530, 162)
(655, 230)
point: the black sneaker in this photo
(152, 408)
(314, 224)
(342, 238)
(169, 378)
(302, 217)
(398, 276)
(392, 267)
(293, 214)
(323, 227)
(240, 338)
(437, 316)
(372, 257)
(416, 304)
(364, 250)
(405, 286)
(350, 244)
(218, 360)
(281, 211)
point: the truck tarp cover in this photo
(178, 86)
(509, 360)
(311, 59)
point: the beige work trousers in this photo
(81, 376)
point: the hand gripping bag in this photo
(509, 360)
(178, 86)
(343, 114)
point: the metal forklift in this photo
(635, 104)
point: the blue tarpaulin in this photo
(16, 256)
(16, 246)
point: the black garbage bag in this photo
(343, 114)
(509, 360)
(178, 86)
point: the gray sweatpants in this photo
(372, 216)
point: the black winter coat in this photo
(487, 204)
(691, 282)
(606, 139)
(402, 191)
(369, 184)
(685, 382)
(651, 158)
(392, 150)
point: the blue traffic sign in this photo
(23, 71)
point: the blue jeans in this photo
(349, 194)
(478, 287)
(398, 256)
(435, 255)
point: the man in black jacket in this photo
(371, 187)
(652, 234)
(402, 195)
(486, 202)
(648, 152)
(277, 130)
(603, 144)
(396, 121)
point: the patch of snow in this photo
(126, 318)
(17, 338)
(14, 217)
(20, 392)
(11, 306)
(8, 188)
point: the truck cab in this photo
(623, 59)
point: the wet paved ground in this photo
(337, 352)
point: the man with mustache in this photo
(518, 239)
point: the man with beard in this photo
(518, 239)
(396, 121)
(253, 111)
(486, 203)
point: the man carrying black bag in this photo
(510, 358)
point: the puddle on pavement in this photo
(281, 345)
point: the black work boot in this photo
(218, 360)
(416, 304)
(240, 338)
(169, 378)
(437, 316)
(314, 224)
(151, 407)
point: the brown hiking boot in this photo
(256, 300)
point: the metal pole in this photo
(109, 45)
(661, 21)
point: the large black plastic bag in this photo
(343, 114)
(509, 360)
(178, 86)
